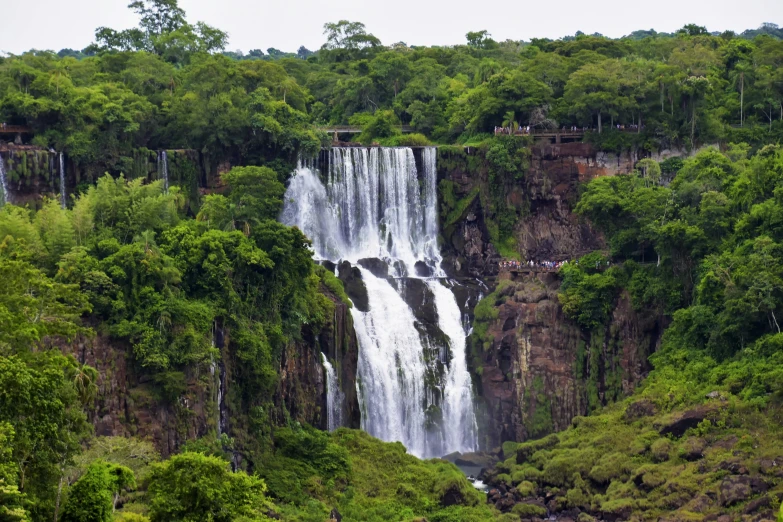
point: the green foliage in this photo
(90, 498)
(588, 291)
(194, 486)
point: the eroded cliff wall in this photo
(170, 410)
(535, 369)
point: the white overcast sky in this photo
(287, 24)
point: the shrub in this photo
(526, 488)
(660, 449)
(610, 467)
(528, 510)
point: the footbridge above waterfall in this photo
(336, 130)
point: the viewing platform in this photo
(16, 130)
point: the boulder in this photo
(735, 489)
(422, 270)
(757, 504)
(678, 425)
(693, 448)
(452, 496)
(377, 267)
(354, 286)
(639, 409)
(479, 459)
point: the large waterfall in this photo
(371, 207)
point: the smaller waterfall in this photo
(63, 195)
(5, 197)
(334, 397)
(461, 430)
(218, 368)
(163, 169)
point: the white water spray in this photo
(334, 396)
(373, 204)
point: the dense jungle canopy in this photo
(154, 269)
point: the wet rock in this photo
(328, 265)
(354, 286)
(376, 267)
(640, 409)
(422, 270)
(335, 516)
(479, 460)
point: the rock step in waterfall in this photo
(374, 214)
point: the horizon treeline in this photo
(169, 84)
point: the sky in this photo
(287, 24)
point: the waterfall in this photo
(6, 196)
(163, 169)
(458, 395)
(63, 195)
(414, 386)
(334, 396)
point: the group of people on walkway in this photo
(573, 128)
(510, 130)
(513, 264)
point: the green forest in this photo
(153, 269)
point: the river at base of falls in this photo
(413, 383)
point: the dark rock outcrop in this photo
(354, 286)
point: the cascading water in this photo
(63, 195)
(334, 396)
(163, 169)
(4, 197)
(373, 203)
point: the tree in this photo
(479, 39)
(595, 89)
(40, 403)
(92, 498)
(348, 35)
(303, 53)
(163, 30)
(193, 487)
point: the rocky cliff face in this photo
(130, 402)
(535, 370)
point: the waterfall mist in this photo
(370, 206)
